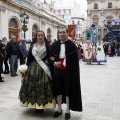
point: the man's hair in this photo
(4, 38)
(61, 27)
(12, 37)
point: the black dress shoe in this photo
(2, 77)
(6, 72)
(57, 114)
(13, 75)
(39, 110)
(67, 116)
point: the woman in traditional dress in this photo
(94, 52)
(100, 57)
(36, 89)
(87, 52)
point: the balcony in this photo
(26, 4)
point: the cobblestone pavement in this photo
(100, 86)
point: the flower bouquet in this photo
(22, 70)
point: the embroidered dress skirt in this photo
(36, 91)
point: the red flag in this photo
(72, 30)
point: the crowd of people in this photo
(10, 52)
(53, 75)
(98, 51)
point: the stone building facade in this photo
(100, 11)
(39, 18)
(72, 15)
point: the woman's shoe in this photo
(39, 110)
(1, 80)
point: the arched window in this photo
(48, 34)
(95, 20)
(13, 23)
(34, 31)
(13, 28)
(109, 17)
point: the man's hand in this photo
(58, 64)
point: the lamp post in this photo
(102, 13)
(24, 19)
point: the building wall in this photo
(81, 26)
(73, 14)
(102, 14)
(39, 16)
(76, 11)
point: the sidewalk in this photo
(100, 86)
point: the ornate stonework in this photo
(103, 10)
(38, 15)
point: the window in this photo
(109, 5)
(78, 22)
(13, 23)
(34, 28)
(95, 6)
(67, 11)
(73, 22)
(70, 11)
(61, 11)
(95, 21)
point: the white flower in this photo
(23, 68)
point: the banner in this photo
(72, 30)
(89, 34)
(94, 34)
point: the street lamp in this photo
(24, 19)
(102, 13)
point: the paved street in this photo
(100, 86)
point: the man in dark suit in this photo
(13, 52)
(64, 58)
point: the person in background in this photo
(105, 47)
(28, 45)
(87, 48)
(22, 51)
(6, 71)
(13, 53)
(80, 51)
(75, 42)
(2, 47)
(100, 57)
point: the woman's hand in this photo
(52, 58)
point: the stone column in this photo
(2, 9)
